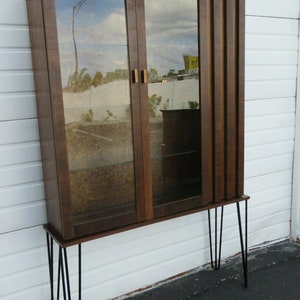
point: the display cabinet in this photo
(141, 110)
(141, 113)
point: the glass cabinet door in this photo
(93, 53)
(173, 96)
(96, 88)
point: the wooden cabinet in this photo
(141, 110)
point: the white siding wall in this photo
(121, 263)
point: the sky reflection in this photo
(100, 26)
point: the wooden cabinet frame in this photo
(221, 54)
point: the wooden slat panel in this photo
(34, 9)
(48, 7)
(206, 87)
(240, 96)
(227, 94)
(147, 170)
(135, 109)
(219, 99)
(231, 96)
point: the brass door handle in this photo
(144, 76)
(135, 76)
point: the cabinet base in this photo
(215, 252)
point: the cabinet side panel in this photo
(241, 97)
(222, 98)
(39, 60)
(205, 68)
(57, 109)
(219, 99)
(231, 98)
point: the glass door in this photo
(129, 73)
(173, 100)
(93, 50)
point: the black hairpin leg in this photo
(244, 247)
(79, 271)
(50, 262)
(215, 263)
(62, 270)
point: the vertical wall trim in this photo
(295, 209)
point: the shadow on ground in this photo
(273, 273)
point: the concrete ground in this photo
(273, 273)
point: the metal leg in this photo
(50, 262)
(79, 271)
(215, 263)
(58, 275)
(244, 248)
(67, 273)
(63, 275)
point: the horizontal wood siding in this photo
(131, 260)
(22, 206)
(271, 72)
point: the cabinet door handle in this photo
(144, 76)
(135, 76)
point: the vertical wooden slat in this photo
(231, 98)
(58, 116)
(131, 16)
(241, 92)
(41, 79)
(142, 57)
(219, 100)
(206, 94)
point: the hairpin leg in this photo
(244, 247)
(215, 263)
(79, 271)
(50, 262)
(63, 275)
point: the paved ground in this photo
(273, 273)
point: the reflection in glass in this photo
(94, 69)
(173, 93)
